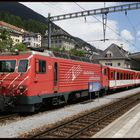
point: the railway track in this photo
(7, 117)
(89, 124)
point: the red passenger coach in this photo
(119, 78)
(30, 79)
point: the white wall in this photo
(115, 63)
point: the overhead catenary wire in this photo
(51, 3)
(107, 26)
(133, 28)
(51, 6)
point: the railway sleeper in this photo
(85, 121)
(52, 136)
(76, 126)
(78, 123)
(48, 136)
(91, 120)
(66, 130)
(59, 134)
(87, 133)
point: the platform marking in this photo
(127, 127)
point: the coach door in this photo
(55, 77)
(105, 76)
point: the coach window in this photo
(131, 76)
(114, 75)
(127, 75)
(41, 66)
(117, 75)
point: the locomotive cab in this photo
(13, 75)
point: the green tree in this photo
(30, 25)
(19, 47)
(55, 49)
(77, 52)
(3, 45)
(5, 40)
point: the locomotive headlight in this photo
(21, 87)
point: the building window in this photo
(109, 54)
(108, 64)
(119, 64)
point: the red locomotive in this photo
(30, 79)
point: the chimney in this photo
(121, 46)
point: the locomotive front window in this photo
(23, 65)
(7, 65)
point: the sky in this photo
(122, 28)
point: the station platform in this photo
(126, 126)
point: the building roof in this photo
(135, 56)
(11, 27)
(31, 34)
(117, 52)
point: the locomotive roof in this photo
(52, 54)
(62, 55)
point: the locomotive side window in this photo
(7, 65)
(42, 66)
(105, 72)
(23, 65)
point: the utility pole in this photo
(49, 32)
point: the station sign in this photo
(94, 86)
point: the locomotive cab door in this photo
(55, 77)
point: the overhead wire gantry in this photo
(104, 11)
